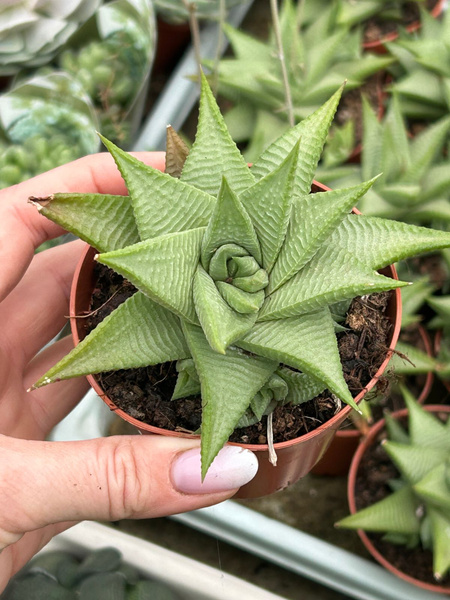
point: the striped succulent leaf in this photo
(236, 269)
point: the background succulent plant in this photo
(31, 31)
(422, 79)
(175, 11)
(101, 574)
(318, 58)
(114, 67)
(46, 121)
(415, 174)
(236, 269)
(418, 510)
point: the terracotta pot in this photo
(372, 438)
(337, 459)
(378, 46)
(295, 457)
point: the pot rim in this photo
(332, 423)
(365, 443)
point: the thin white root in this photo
(272, 454)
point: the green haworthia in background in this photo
(236, 269)
(418, 510)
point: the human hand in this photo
(48, 486)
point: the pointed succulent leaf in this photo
(301, 387)
(426, 147)
(137, 334)
(414, 461)
(440, 527)
(316, 285)
(214, 154)
(312, 133)
(268, 203)
(229, 224)
(395, 431)
(298, 343)
(163, 268)
(371, 159)
(188, 383)
(410, 360)
(104, 221)
(313, 217)
(434, 487)
(161, 204)
(235, 377)
(378, 242)
(396, 513)
(222, 324)
(176, 153)
(425, 428)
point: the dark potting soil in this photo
(145, 393)
(374, 472)
(376, 29)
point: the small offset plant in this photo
(415, 174)
(418, 510)
(422, 78)
(318, 58)
(100, 574)
(32, 31)
(237, 270)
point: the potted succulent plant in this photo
(239, 271)
(318, 57)
(422, 77)
(412, 511)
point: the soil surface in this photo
(376, 29)
(145, 393)
(375, 470)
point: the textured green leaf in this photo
(161, 203)
(229, 224)
(301, 387)
(268, 203)
(188, 383)
(137, 334)
(103, 586)
(308, 344)
(244, 45)
(426, 147)
(220, 323)
(440, 526)
(104, 221)
(378, 242)
(414, 461)
(331, 276)
(396, 513)
(371, 158)
(417, 361)
(312, 133)
(214, 154)
(425, 429)
(229, 382)
(313, 217)
(434, 487)
(395, 431)
(163, 268)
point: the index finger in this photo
(23, 229)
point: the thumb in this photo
(110, 479)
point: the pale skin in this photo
(48, 486)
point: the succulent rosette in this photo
(238, 270)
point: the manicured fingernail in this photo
(232, 468)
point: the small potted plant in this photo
(241, 275)
(413, 510)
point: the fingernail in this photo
(232, 468)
